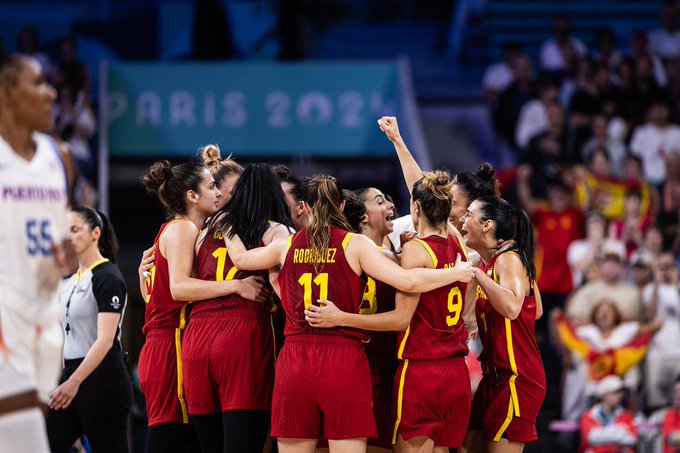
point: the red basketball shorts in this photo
(500, 412)
(228, 361)
(322, 389)
(383, 363)
(432, 398)
(158, 377)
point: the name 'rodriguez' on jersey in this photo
(311, 256)
(302, 283)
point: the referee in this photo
(95, 392)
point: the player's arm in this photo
(329, 315)
(508, 296)
(390, 254)
(258, 258)
(397, 319)
(362, 253)
(409, 166)
(469, 317)
(539, 301)
(177, 245)
(70, 169)
(275, 231)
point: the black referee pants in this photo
(100, 409)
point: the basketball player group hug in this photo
(283, 312)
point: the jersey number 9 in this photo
(455, 305)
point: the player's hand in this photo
(63, 396)
(65, 257)
(465, 268)
(325, 315)
(147, 262)
(388, 124)
(254, 288)
(406, 236)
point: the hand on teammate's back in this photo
(255, 288)
(406, 236)
(324, 315)
(466, 269)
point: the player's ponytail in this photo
(511, 224)
(433, 193)
(171, 184)
(355, 209)
(325, 198)
(108, 242)
(524, 235)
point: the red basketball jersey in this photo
(437, 330)
(509, 345)
(382, 348)
(162, 311)
(301, 284)
(214, 264)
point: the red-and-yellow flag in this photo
(571, 340)
(603, 363)
(631, 353)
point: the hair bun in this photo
(159, 173)
(211, 155)
(281, 171)
(486, 171)
(438, 182)
(167, 169)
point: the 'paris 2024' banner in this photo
(250, 109)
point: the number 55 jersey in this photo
(34, 216)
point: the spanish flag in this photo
(603, 363)
(608, 195)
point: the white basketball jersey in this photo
(33, 207)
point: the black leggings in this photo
(172, 438)
(232, 431)
(100, 409)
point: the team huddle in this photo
(342, 376)
(377, 323)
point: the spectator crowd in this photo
(589, 146)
